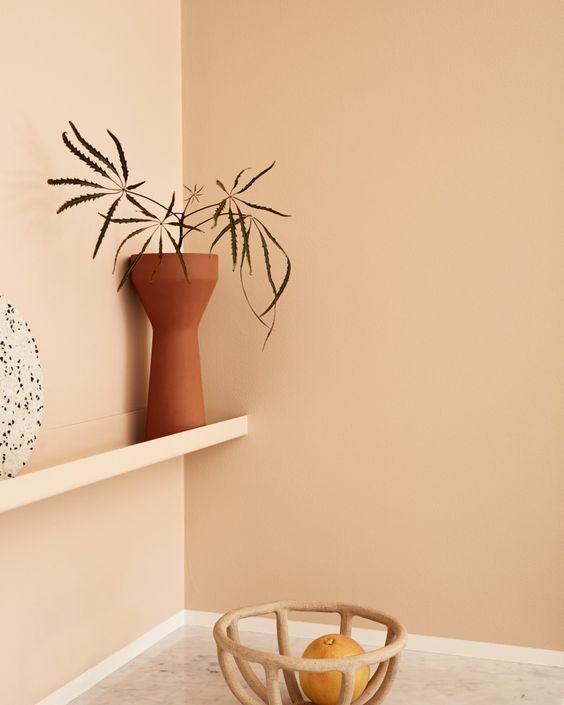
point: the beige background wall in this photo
(406, 448)
(83, 574)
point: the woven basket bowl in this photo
(235, 658)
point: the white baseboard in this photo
(94, 675)
(415, 642)
(308, 630)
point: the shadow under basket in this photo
(235, 659)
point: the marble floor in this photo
(182, 669)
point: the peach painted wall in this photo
(83, 574)
(407, 417)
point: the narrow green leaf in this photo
(140, 206)
(140, 183)
(83, 157)
(178, 224)
(265, 208)
(74, 182)
(256, 178)
(270, 328)
(160, 259)
(122, 243)
(135, 262)
(193, 194)
(246, 253)
(95, 152)
(121, 153)
(80, 199)
(280, 290)
(184, 228)
(248, 300)
(188, 228)
(179, 254)
(218, 211)
(272, 285)
(238, 177)
(170, 207)
(233, 238)
(132, 220)
(221, 186)
(105, 225)
(218, 237)
(267, 262)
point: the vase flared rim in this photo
(201, 256)
(199, 265)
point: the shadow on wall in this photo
(138, 346)
(49, 273)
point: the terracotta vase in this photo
(175, 307)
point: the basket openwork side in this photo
(235, 659)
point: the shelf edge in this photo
(58, 479)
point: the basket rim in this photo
(297, 663)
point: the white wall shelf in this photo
(41, 484)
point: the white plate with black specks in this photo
(21, 390)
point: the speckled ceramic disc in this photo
(21, 391)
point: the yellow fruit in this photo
(324, 688)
